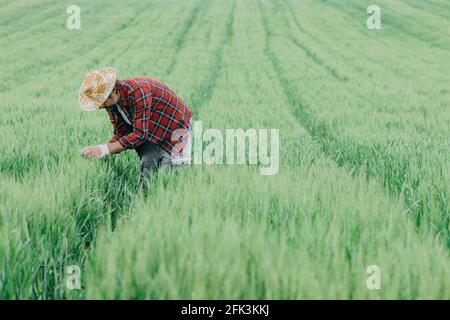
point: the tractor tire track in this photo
(332, 71)
(181, 40)
(26, 39)
(310, 53)
(355, 66)
(25, 32)
(41, 70)
(320, 62)
(399, 25)
(15, 13)
(291, 11)
(375, 160)
(435, 11)
(205, 91)
(133, 40)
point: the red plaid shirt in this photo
(154, 111)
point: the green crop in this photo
(364, 120)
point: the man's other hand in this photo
(98, 152)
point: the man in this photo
(146, 115)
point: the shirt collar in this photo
(122, 95)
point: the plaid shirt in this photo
(154, 111)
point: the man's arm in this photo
(120, 130)
(115, 147)
(119, 126)
(112, 146)
(141, 100)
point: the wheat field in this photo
(363, 180)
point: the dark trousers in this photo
(152, 157)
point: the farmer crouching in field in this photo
(146, 115)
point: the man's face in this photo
(112, 100)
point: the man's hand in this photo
(98, 152)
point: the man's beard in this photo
(110, 107)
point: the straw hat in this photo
(96, 88)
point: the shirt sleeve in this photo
(119, 127)
(140, 101)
